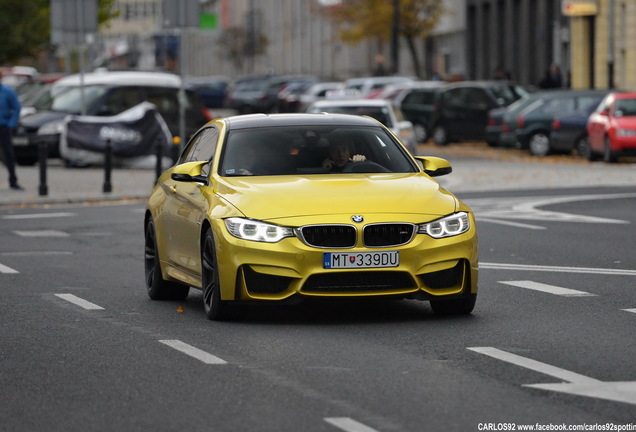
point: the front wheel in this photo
(539, 144)
(440, 135)
(158, 288)
(421, 134)
(608, 155)
(459, 306)
(215, 308)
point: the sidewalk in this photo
(74, 185)
(475, 169)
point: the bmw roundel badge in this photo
(357, 218)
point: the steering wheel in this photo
(365, 166)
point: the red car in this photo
(611, 129)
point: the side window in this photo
(477, 99)
(559, 105)
(453, 98)
(118, 100)
(201, 148)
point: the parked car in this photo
(259, 94)
(365, 85)
(212, 90)
(249, 214)
(103, 94)
(382, 110)
(416, 102)
(533, 125)
(611, 129)
(569, 131)
(460, 111)
(315, 92)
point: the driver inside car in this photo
(340, 156)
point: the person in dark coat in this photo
(552, 78)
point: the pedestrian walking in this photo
(9, 116)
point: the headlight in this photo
(448, 226)
(625, 132)
(253, 230)
(51, 128)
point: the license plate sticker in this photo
(337, 260)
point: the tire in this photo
(440, 135)
(158, 288)
(539, 144)
(460, 306)
(421, 134)
(586, 150)
(608, 155)
(215, 308)
(581, 146)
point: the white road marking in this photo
(36, 253)
(42, 233)
(630, 310)
(5, 269)
(198, 354)
(577, 384)
(502, 210)
(348, 424)
(551, 289)
(509, 223)
(79, 302)
(38, 216)
(556, 269)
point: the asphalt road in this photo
(550, 344)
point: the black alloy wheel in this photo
(158, 288)
(215, 308)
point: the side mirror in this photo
(190, 172)
(434, 166)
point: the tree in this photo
(373, 19)
(26, 27)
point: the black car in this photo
(417, 106)
(460, 111)
(104, 94)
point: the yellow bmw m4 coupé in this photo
(275, 207)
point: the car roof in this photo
(352, 102)
(158, 79)
(296, 119)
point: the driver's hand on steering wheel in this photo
(358, 158)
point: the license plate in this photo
(20, 141)
(333, 260)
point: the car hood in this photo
(627, 122)
(285, 197)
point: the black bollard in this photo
(159, 154)
(43, 156)
(108, 166)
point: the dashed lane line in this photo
(551, 289)
(349, 425)
(37, 216)
(79, 302)
(41, 233)
(194, 352)
(630, 310)
(556, 269)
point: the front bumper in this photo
(428, 268)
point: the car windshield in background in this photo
(70, 101)
(508, 93)
(296, 150)
(625, 107)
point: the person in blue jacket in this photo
(9, 116)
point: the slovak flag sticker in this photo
(352, 259)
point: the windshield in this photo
(312, 150)
(70, 101)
